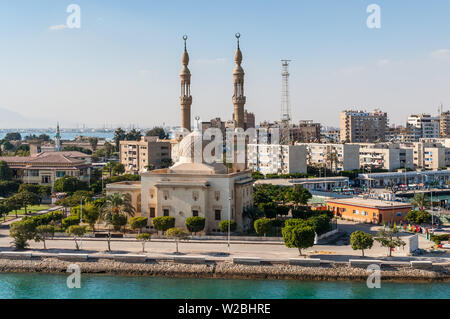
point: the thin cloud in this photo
(383, 62)
(441, 54)
(58, 27)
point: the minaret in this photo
(185, 98)
(238, 96)
(57, 139)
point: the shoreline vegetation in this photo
(228, 270)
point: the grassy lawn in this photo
(30, 209)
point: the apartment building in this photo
(388, 156)
(422, 126)
(444, 123)
(276, 158)
(429, 155)
(148, 153)
(363, 127)
(337, 157)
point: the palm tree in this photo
(116, 205)
(420, 200)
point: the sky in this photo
(121, 67)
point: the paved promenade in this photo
(216, 249)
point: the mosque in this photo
(193, 187)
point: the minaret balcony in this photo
(239, 99)
(185, 99)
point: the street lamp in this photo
(81, 209)
(229, 222)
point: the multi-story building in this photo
(47, 167)
(331, 136)
(388, 156)
(422, 126)
(444, 123)
(309, 132)
(363, 127)
(337, 157)
(429, 154)
(276, 158)
(148, 153)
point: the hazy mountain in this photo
(11, 119)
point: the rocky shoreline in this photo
(228, 270)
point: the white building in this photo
(423, 126)
(276, 158)
(385, 155)
(337, 157)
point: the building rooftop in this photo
(369, 202)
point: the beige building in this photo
(337, 157)
(148, 153)
(277, 159)
(193, 187)
(47, 167)
(362, 127)
(444, 121)
(385, 156)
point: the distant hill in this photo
(11, 119)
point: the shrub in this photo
(320, 224)
(76, 231)
(138, 223)
(263, 226)
(21, 232)
(177, 234)
(70, 221)
(223, 225)
(143, 238)
(195, 224)
(118, 221)
(163, 223)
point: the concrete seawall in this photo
(331, 271)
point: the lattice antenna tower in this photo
(286, 117)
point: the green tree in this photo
(143, 238)
(119, 135)
(195, 224)
(138, 223)
(70, 185)
(418, 217)
(420, 200)
(44, 232)
(389, 239)
(91, 214)
(223, 225)
(4, 210)
(177, 234)
(299, 195)
(26, 199)
(133, 135)
(263, 226)
(21, 232)
(13, 204)
(361, 240)
(300, 237)
(5, 172)
(158, 131)
(163, 223)
(93, 141)
(76, 231)
(13, 136)
(118, 221)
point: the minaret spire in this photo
(238, 96)
(185, 98)
(58, 138)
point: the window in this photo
(166, 212)
(217, 214)
(195, 213)
(195, 195)
(399, 213)
(152, 212)
(60, 173)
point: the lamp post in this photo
(81, 209)
(229, 222)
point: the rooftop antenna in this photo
(286, 117)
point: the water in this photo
(53, 286)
